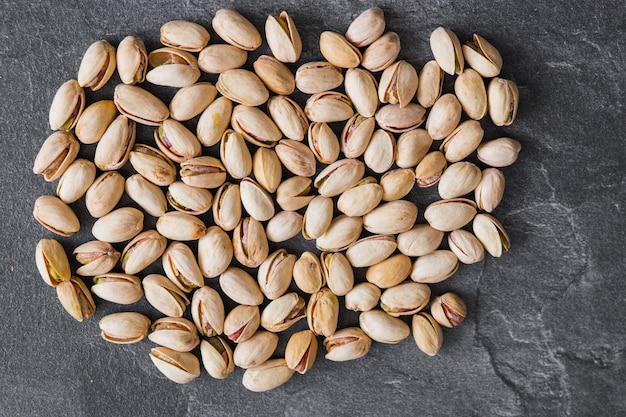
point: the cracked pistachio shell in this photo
(435, 267)
(215, 251)
(322, 312)
(448, 310)
(227, 206)
(398, 119)
(114, 146)
(283, 226)
(217, 357)
(390, 218)
(67, 106)
(207, 311)
(466, 246)
(367, 27)
(176, 141)
(117, 288)
(255, 126)
(462, 141)
(164, 296)
(296, 157)
(267, 376)
(381, 53)
(503, 98)
(429, 170)
(96, 258)
(342, 232)
(293, 193)
(490, 190)
(235, 154)
(256, 350)
(76, 180)
(371, 250)
(94, 121)
(397, 183)
(328, 106)
(500, 152)
(140, 105)
(214, 121)
(482, 56)
(412, 147)
(190, 101)
(405, 298)
(356, 135)
(55, 215)
(317, 217)
(236, 30)
(274, 274)
(339, 177)
(361, 87)
(308, 274)
(52, 262)
(427, 333)
(76, 298)
(339, 51)
(275, 75)
(380, 152)
(364, 296)
(172, 68)
(242, 322)
(119, 225)
(491, 234)
(347, 344)
(257, 202)
(175, 333)
(104, 194)
(175, 225)
(203, 172)
(132, 60)
(317, 77)
(152, 164)
(323, 142)
(451, 214)
(389, 272)
(419, 241)
(447, 51)
(429, 84)
(57, 153)
(142, 251)
(444, 116)
(180, 367)
(188, 199)
(338, 272)
(218, 58)
(147, 195)
(267, 169)
(250, 244)
(360, 199)
(242, 86)
(97, 65)
(184, 35)
(469, 88)
(283, 312)
(301, 351)
(124, 328)
(398, 84)
(283, 38)
(459, 179)
(382, 327)
(288, 116)
(181, 267)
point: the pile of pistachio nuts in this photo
(325, 170)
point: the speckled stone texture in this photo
(545, 333)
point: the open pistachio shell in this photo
(67, 106)
(236, 30)
(283, 37)
(181, 34)
(97, 65)
(57, 153)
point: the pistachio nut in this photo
(482, 56)
(152, 164)
(500, 152)
(67, 106)
(242, 86)
(184, 35)
(466, 246)
(308, 274)
(405, 298)
(219, 58)
(203, 172)
(382, 52)
(338, 50)
(52, 262)
(342, 232)
(462, 141)
(293, 193)
(317, 77)
(490, 190)
(420, 240)
(364, 296)
(147, 195)
(296, 157)
(117, 287)
(227, 206)
(430, 84)
(115, 145)
(94, 121)
(347, 344)
(97, 65)
(214, 121)
(398, 84)
(176, 141)
(124, 328)
(76, 180)
(190, 101)
(181, 267)
(361, 87)
(459, 179)
(503, 99)
(164, 296)
(188, 199)
(217, 357)
(491, 234)
(256, 350)
(371, 250)
(469, 88)
(328, 106)
(207, 311)
(215, 251)
(250, 244)
(398, 119)
(323, 142)
(397, 183)
(104, 194)
(338, 272)
(435, 267)
(180, 367)
(119, 225)
(172, 68)
(356, 135)
(301, 351)
(55, 215)
(235, 154)
(256, 126)
(96, 258)
(132, 60)
(267, 169)
(447, 51)
(269, 375)
(57, 153)
(140, 105)
(381, 151)
(76, 298)
(143, 250)
(390, 218)
(444, 116)
(283, 38)
(339, 177)
(382, 327)
(175, 225)
(176, 333)
(241, 323)
(283, 226)
(274, 275)
(448, 310)
(427, 333)
(322, 312)
(360, 199)
(236, 30)
(276, 76)
(283, 312)
(367, 27)
(451, 214)
(389, 272)
(288, 116)
(317, 217)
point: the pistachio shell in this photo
(430, 84)
(242, 86)
(119, 225)
(328, 106)
(240, 287)
(269, 375)
(214, 121)
(356, 135)
(275, 75)
(390, 272)
(124, 328)
(382, 52)
(338, 272)
(364, 296)
(96, 258)
(466, 246)
(76, 299)
(391, 218)
(164, 296)
(293, 193)
(459, 179)
(360, 199)
(427, 333)
(56, 216)
(218, 58)
(175, 333)
(57, 153)
(342, 232)
(256, 350)
(383, 328)
(397, 183)
(462, 141)
(482, 56)
(435, 267)
(274, 275)
(176, 141)
(217, 357)
(76, 180)
(236, 30)
(283, 312)
(398, 84)
(338, 51)
(296, 157)
(104, 194)
(181, 267)
(97, 65)
(283, 37)
(188, 199)
(235, 154)
(52, 262)
(361, 87)
(288, 116)
(67, 106)
(256, 126)
(115, 144)
(339, 176)
(132, 60)
(203, 171)
(323, 142)
(347, 344)
(180, 367)
(301, 351)
(184, 35)
(447, 51)
(450, 214)
(420, 240)
(147, 195)
(371, 250)
(241, 323)
(323, 312)
(215, 251)
(444, 116)
(140, 105)
(469, 88)
(318, 76)
(152, 164)
(267, 169)
(227, 206)
(307, 273)
(172, 68)
(490, 190)
(448, 310)
(250, 243)
(503, 98)
(405, 299)
(190, 101)
(398, 119)
(283, 226)
(317, 217)
(143, 250)
(207, 311)
(95, 120)
(412, 147)
(256, 200)
(175, 225)
(491, 234)
(117, 287)
(381, 151)
(500, 152)
(367, 27)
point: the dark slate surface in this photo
(545, 333)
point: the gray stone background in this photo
(545, 334)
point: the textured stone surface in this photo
(545, 333)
